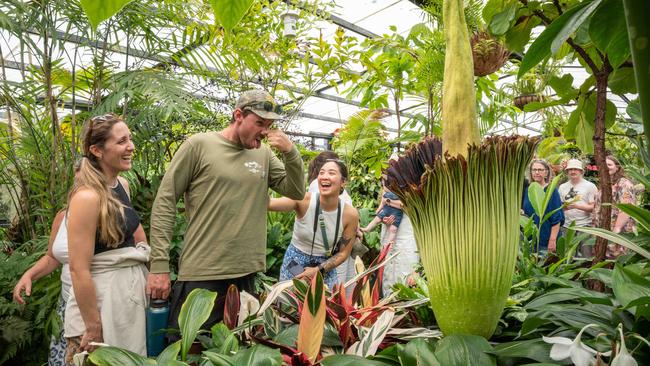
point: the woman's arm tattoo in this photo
(330, 263)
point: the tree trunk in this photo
(599, 154)
(50, 103)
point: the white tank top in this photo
(60, 252)
(303, 230)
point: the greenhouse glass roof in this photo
(324, 111)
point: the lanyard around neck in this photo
(319, 220)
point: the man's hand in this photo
(552, 245)
(158, 285)
(279, 140)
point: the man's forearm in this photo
(292, 185)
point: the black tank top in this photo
(131, 222)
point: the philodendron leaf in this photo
(462, 350)
(98, 11)
(195, 311)
(109, 356)
(557, 30)
(608, 31)
(230, 12)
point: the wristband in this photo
(321, 268)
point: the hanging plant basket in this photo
(488, 53)
(522, 100)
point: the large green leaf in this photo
(418, 352)
(258, 355)
(349, 360)
(170, 353)
(110, 356)
(541, 47)
(229, 12)
(518, 36)
(463, 350)
(573, 23)
(608, 31)
(195, 311)
(621, 81)
(218, 359)
(640, 215)
(98, 11)
(566, 294)
(534, 349)
(536, 196)
(501, 21)
(629, 286)
(615, 238)
(563, 86)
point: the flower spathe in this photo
(563, 348)
(623, 358)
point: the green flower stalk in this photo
(459, 127)
(465, 216)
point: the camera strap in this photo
(319, 220)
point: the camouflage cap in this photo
(261, 103)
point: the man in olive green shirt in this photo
(224, 177)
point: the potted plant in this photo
(488, 53)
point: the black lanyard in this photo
(319, 220)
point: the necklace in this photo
(116, 183)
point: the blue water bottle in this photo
(157, 315)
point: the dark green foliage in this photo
(25, 330)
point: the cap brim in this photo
(266, 115)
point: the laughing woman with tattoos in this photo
(324, 229)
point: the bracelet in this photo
(321, 268)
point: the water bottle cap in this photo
(158, 303)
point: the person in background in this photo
(107, 303)
(540, 172)
(224, 177)
(390, 205)
(324, 229)
(622, 192)
(402, 267)
(579, 197)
